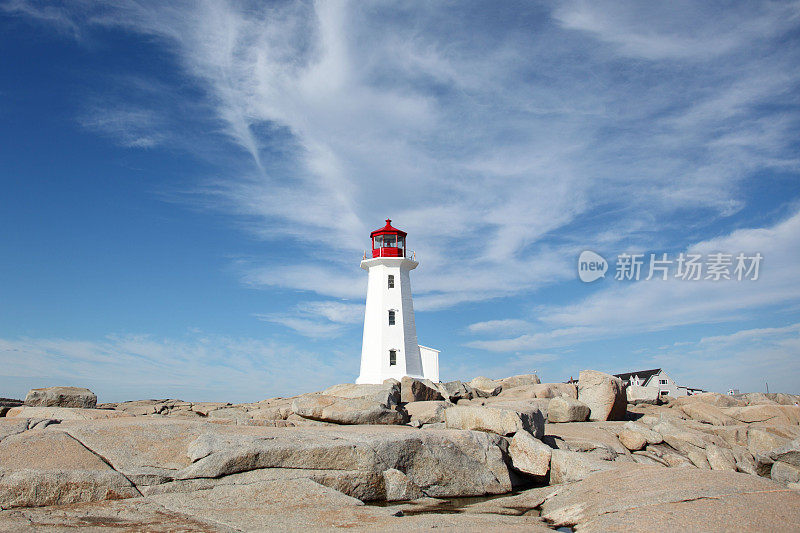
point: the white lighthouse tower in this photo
(389, 348)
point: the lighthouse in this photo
(389, 348)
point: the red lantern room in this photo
(388, 241)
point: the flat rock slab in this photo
(647, 498)
(263, 506)
(587, 436)
(51, 468)
(64, 413)
(156, 453)
(437, 462)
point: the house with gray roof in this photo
(657, 379)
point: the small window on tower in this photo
(391, 281)
(391, 318)
(392, 357)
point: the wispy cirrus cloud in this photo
(129, 126)
(680, 30)
(318, 319)
(489, 145)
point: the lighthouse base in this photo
(377, 380)
(430, 370)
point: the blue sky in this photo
(188, 188)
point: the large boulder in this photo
(514, 404)
(539, 390)
(636, 394)
(713, 398)
(707, 413)
(40, 468)
(418, 390)
(761, 440)
(633, 440)
(387, 393)
(597, 437)
(788, 453)
(427, 412)
(720, 458)
(519, 381)
(766, 415)
(566, 409)
(523, 392)
(646, 498)
(529, 455)
(485, 387)
(351, 403)
(554, 390)
(439, 463)
(568, 466)
(61, 397)
(456, 390)
(340, 410)
(164, 455)
(604, 394)
(758, 398)
(786, 399)
(650, 436)
(502, 421)
(690, 442)
(784, 473)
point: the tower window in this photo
(391, 281)
(391, 318)
(392, 357)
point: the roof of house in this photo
(644, 375)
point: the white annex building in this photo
(389, 348)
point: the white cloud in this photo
(677, 30)
(53, 15)
(129, 126)
(339, 312)
(639, 306)
(306, 277)
(319, 319)
(195, 368)
(506, 326)
(313, 329)
(749, 360)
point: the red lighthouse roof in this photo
(388, 229)
(388, 241)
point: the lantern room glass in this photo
(390, 240)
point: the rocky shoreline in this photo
(588, 456)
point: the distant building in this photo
(733, 392)
(657, 379)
